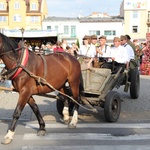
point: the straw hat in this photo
(93, 36)
(86, 37)
(116, 39)
(102, 37)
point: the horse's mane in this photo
(8, 44)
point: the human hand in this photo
(88, 65)
(113, 58)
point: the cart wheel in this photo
(60, 105)
(112, 106)
(135, 83)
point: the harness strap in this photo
(43, 81)
(16, 70)
(24, 59)
(45, 65)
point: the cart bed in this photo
(95, 79)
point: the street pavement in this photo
(131, 131)
(134, 110)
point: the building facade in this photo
(72, 29)
(28, 15)
(134, 19)
(136, 14)
(67, 28)
(107, 26)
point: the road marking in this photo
(95, 125)
(94, 147)
(86, 136)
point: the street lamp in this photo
(22, 31)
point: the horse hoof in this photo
(71, 126)
(66, 121)
(41, 133)
(6, 141)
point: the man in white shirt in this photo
(129, 49)
(103, 50)
(118, 55)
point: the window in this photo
(73, 31)
(34, 19)
(17, 18)
(56, 28)
(48, 27)
(148, 16)
(33, 6)
(134, 29)
(135, 14)
(94, 32)
(1, 6)
(109, 32)
(2, 18)
(16, 5)
(66, 30)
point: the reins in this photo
(43, 81)
(9, 73)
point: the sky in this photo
(72, 8)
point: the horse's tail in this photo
(81, 86)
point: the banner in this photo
(135, 4)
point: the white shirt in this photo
(89, 51)
(130, 51)
(105, 51)
(120, 54)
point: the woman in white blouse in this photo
(88, 50)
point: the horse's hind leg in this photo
(37, 113)
(75, 91)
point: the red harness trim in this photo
(23, 63)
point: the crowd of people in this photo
(59, 46)
(115, 56)
(96, 53)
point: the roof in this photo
(53, 18)
(84, 19)
(98, 19)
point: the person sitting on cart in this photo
(103, 50)
(118, 57)
(87, 50)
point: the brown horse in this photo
(27, 70)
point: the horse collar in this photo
(17, 68)
(24, 60)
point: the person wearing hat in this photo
(129, 49)
(103, 50)
(88, 51)
(130, 43)
(94, 39)
(118, 56)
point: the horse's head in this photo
(7, 44)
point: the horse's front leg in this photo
(23, 98)
(37, 113)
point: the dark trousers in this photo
(114, 66)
